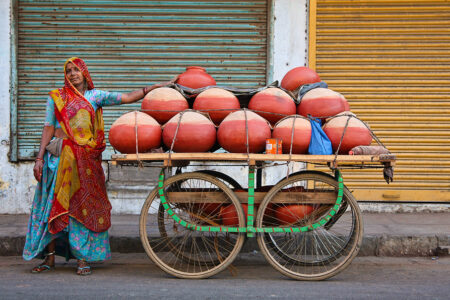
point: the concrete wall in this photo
(17, 183)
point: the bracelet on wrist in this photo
(38, 159)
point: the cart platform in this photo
(252, 159)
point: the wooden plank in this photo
(255, 157)
(286, 198)
(402, 195)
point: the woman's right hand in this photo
(37, 170)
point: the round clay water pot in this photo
(216, 99)
(196, 132)
(275, 101)
(346, 105)
(356, 134)
(195, 77)
(322, 102)
(163, 103)
(229, 214)
(122, 135)
(289, 214)
(299, 76)
(302, 134)
(232, 132)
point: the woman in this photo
(71, 212)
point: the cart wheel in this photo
(319, 253)
(187, 253)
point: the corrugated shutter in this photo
(391, 60)
(131, 44)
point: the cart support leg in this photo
(251, 202)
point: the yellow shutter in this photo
(391, 60)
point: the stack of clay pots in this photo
(217, 118)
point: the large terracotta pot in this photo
(302, 134)
(322, 102)
(356, 134)
(223, 101)
(196, 132)
(232, 133)
(122, 134)
(299, 76)
(195, 78)
(229, 214)
(289, 214)
(163, 103)
(275, 101)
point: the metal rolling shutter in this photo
(391, 60)
(131, 44)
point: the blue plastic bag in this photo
(320, 143)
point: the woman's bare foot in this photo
(83, 268)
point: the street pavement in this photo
(135, 276)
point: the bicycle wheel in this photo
(187, 253)
(301, 201)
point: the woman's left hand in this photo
(37, 170)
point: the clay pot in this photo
(232, 133)
(195, 78)
(356, 134)
(289, 214)
(122, 134)
(346, 105)
(196, 132)
(302, 134)
(165, 102)
(299, 76)
(272, 100)
(229, 214)
(321, 102)
(215, 99)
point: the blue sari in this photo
(75, 241)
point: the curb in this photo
(384, 245)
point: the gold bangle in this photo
(37, 159)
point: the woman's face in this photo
(74, 74)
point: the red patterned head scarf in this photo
(81, 65)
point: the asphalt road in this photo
(134, 276)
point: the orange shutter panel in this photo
(391, 60)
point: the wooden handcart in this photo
(308, 226)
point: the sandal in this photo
(44, 267)
(83, 269)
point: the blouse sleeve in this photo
(50, 119)
(103, 98)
